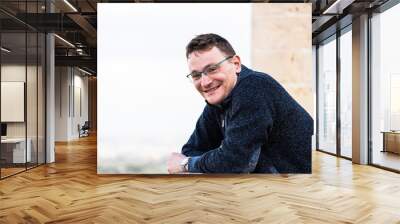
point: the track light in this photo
(70, 5)
(337, 7)
(5, 50)
(84, 71)
(64, 40)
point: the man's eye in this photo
(212, 69)
(196, 75)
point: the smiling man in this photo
(250, 124)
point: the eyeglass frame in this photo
(190, 76)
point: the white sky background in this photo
(147, 108)
(389, 67)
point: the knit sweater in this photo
(258, 128)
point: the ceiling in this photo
(76, 22)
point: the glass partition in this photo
(13, 105)
(346, 93)
(385, 89)
(22, 77)
(327, 96)
(33, 57)
(32, 95)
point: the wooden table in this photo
(391, 141)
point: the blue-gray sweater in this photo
(258, 128)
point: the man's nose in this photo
(205, 80)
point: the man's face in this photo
(215, 86)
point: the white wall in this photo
(68, 81)
(15, 73)
(12, 73)
(61, 103)
(80, 84)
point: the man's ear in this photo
(237, 63)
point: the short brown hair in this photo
(207, 41)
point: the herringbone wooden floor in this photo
(70, 191)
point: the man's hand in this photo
(174, 163)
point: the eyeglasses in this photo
(209, 70)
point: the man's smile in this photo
(212, 89)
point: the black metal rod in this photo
(338, 93)
(370, 155)
(0, 97)
(317, 95)
(26, 88)
(37, 90)
(45, 88)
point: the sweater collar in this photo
(244, 72)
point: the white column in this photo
(50, 100)
(50, 93)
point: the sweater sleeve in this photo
(206, 136)
(247, 129)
